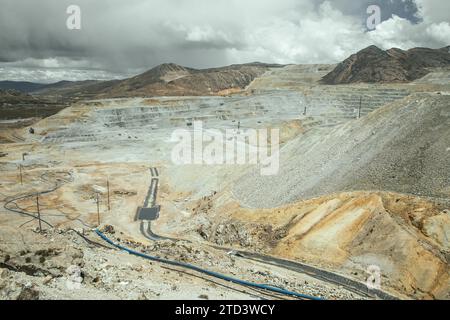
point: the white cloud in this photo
(434, 11)
(319, 36)
(440, 32)
(398, 32)
(121, 35)
(50, 75)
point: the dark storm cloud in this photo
(406, 9)
(129, 36)
(29, 29)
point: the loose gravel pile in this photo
(402, 147)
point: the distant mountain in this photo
(74, 89)
(41, 88)
(373, 65)
(167, 79)
(15, 96)
(174, 80)
(18, 105)
(22, 86)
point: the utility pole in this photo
(107, 186)
(38, 212)
(359, 110)
(20, 173)
(98, 210)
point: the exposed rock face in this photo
(374, 65)
(401, 147)
(405, 236)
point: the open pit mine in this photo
(93, 204)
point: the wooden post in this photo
(98, 210)
(359, 110)
(107, 186)
(304, 112)
(20, 173)
(39, 212)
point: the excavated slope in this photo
(402, 147)
(405, 236)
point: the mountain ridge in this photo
(168, 79)
(374, 65)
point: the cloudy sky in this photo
(120, 38)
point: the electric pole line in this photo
(38, 212)
(20, 173)
(359, 109)
(98, 209)
(107, 186)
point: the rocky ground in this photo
(406, 236)
(59, 264)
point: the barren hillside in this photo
(18, 105)
(167, 79)
(401, 147)
(395, 65)
(406, 236)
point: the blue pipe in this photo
(210, 273)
